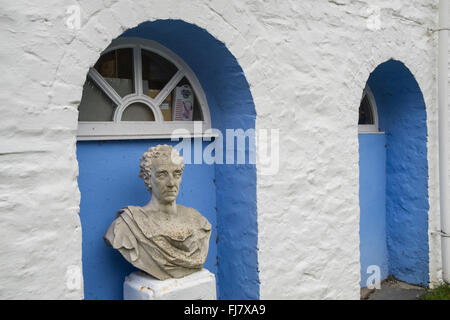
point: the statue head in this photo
(161, 169)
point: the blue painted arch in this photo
(402, 116)
(225, 194)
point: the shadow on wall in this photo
(225, 194)
(402, 116)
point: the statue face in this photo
(165, 181)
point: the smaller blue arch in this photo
(402, 116)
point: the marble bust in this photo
(162, 238)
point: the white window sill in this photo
(92, 130)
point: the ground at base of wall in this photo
(440, 292)
(393, 289)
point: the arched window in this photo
(368, 114)
(139, 89)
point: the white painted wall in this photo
(306, 62)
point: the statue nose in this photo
(171, 182)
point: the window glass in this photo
(365, 112)
(185, 105)
(138, 112)
(116, 67)
(95, 105)
(129, 75)
(165, 106)
(156, 72)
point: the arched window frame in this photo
(370, 128)
(120, 130)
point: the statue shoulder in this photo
(119, 233)
(195, 216)
(188, 211)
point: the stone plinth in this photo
(197, 286)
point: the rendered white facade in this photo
(307, 63)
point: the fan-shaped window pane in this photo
(185, 105)
(156, 72)
(138, 112)
(116, 67)
(165, 106)
(130, 73)
(95, 105)
(365, 112)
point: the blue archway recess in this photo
(402, 116)
(225, 194)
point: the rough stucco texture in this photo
(306, 63)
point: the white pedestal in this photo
(200, 285)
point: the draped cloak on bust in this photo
(164, 248)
